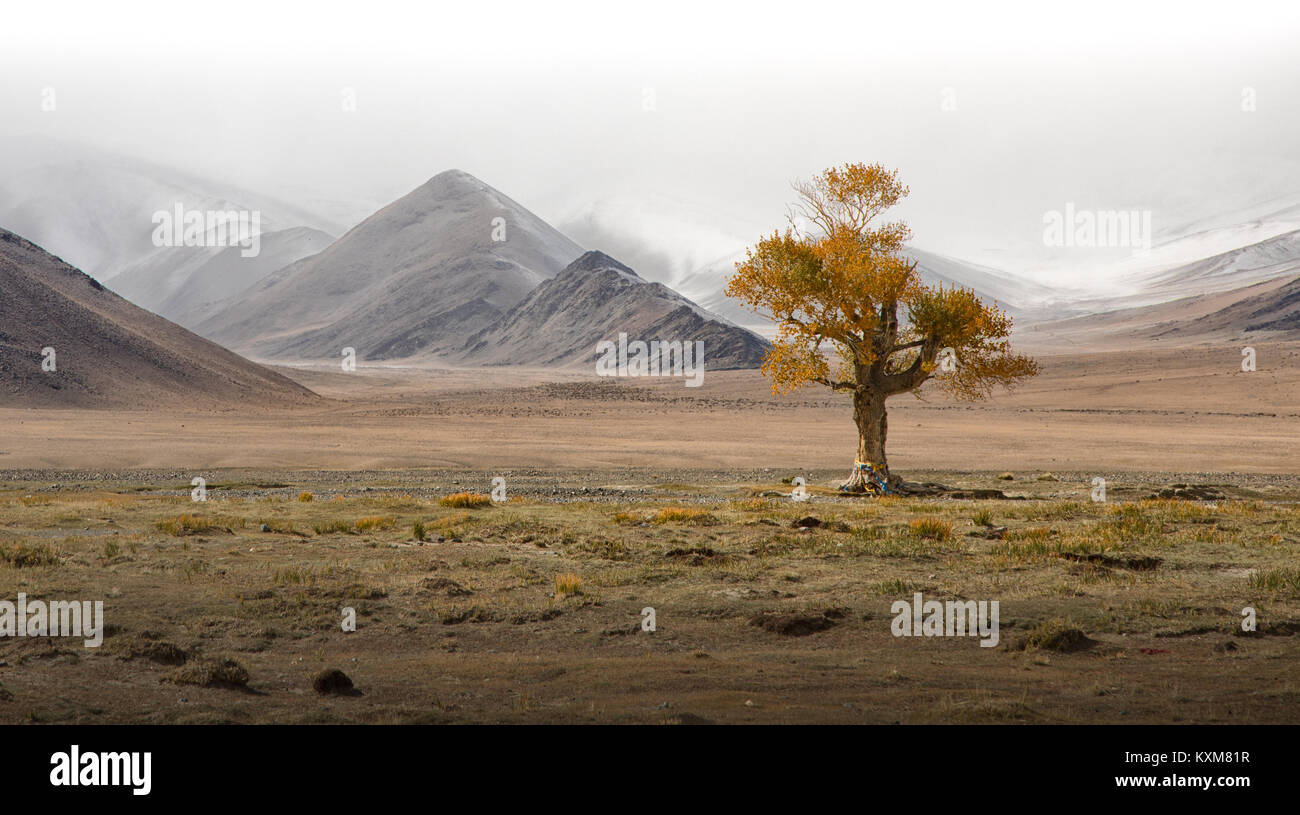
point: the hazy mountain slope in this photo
(184, 284)
(594, 299)
(1267, 307)
(1018, 296)
(416, 277)
(109, 352)
(1013, 293)
(96, 210)
(1270, 306)
(1226, 272)
(1278, 256)
(1215, 226)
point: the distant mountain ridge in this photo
(1265, 310)
(595, 299)
(415, 278)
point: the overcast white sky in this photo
(1109, 105)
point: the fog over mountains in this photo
(185, 284)
(95, 209)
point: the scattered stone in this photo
(1048, 477)
(1189, 493)
(810, 522)
(977, 495)
(266, 527)
(922, 490)
(1006, 477)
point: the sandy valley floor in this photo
(1185, 410)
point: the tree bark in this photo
(871, 469)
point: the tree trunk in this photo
(871, 469)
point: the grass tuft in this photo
(1286, 579)
(466, 500)
(188, 524)
(567, 584)
(931, 529)
(684, 515)
(27, 555)
(371, 523)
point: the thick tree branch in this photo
(837, 386)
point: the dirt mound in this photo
(695, 555)
(162, 652)
(812, 522)
(332, 681)
(225, 673)
(1056, 635)
(797, 625)
(1135, 564)
(442, 585)
(1191, 492)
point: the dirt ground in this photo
(626, 496)
(1186, 410)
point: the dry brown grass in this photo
(547, 597)
(465, 500)
(684, 515)
(190, 524)
(567, 583)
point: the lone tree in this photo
(837, 277)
